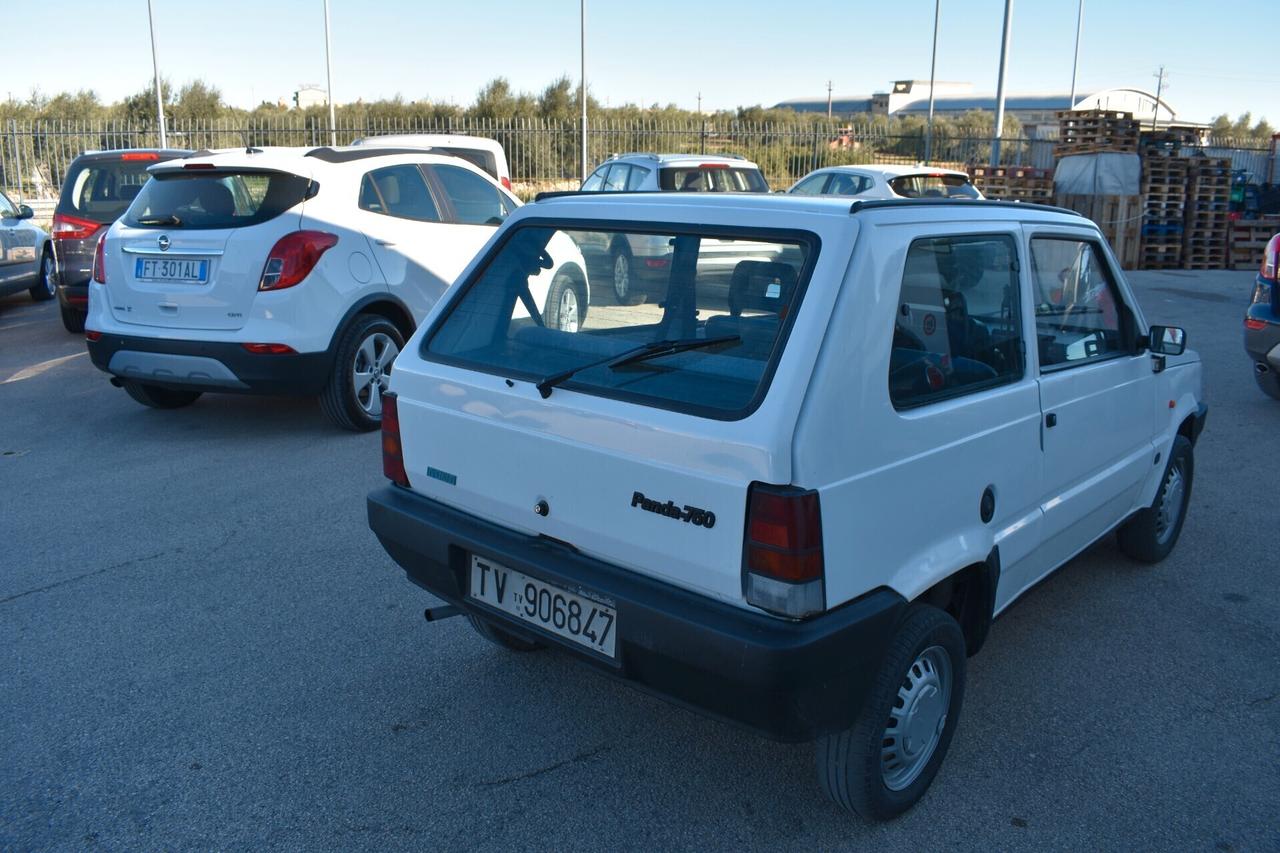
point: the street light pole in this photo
(933, 68)
(1004, 58)
(155, 65)
(582, 87)
(1075, 63)
(328, 71)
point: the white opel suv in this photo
(298, 271)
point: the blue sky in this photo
(737, 53)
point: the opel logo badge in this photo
(163, 242)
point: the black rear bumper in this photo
(245, 372)
(791, 681)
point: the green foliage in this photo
(1243, 127)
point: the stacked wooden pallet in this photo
(1096, 131)
(1249, 238)
(1013, 183)
(1164, 199)
(1204, 242)
(1118, 217)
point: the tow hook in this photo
(435, 614)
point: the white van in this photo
(798, 502)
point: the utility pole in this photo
(1004, 59)
(699, 103)
(1075, 63)
(1161, 79)
(582, 24)
(933, 68)
(828, 100)
(155, 65)
(328, 70)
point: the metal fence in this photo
(542, 154)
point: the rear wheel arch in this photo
(969, 596)
(379, 305)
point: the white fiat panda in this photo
(794, 493)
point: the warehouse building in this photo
(1037, 112)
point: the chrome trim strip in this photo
(171, 253)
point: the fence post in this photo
(17, 155)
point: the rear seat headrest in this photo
(761, 286)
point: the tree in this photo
(559, 101)
(197, 100)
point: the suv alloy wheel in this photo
(361, 370)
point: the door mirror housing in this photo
(1167, 340)
(25, 211)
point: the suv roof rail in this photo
(333, 155)
(876, 203)
(543, 196)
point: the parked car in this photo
(1262, 322)
(639, 172)
(99, 186)
(479, 151)
(26, 261)
(298, 271)
(800, 510)
(636, 264)
(886, 182)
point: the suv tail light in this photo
(73, 227)
(1271, 259)
(506, 182)
(293, 257)
(99, 261)
(392, 452)
(782, 567)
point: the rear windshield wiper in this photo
(653, 349)
(170, 220)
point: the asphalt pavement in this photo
(205, 647)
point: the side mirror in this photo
(1167, 340)
(25, 212)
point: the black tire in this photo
(502, 638)
(1269, 382)
(157, 397)
(1149, 536)
(850, 769)
(351, 407)
(72, 319)
(46, 286)
(625, 287)
(560, 315)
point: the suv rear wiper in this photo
(170, 220)
(653, 349)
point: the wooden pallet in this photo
(1019, 172)
(1248, 240)
(1119, 217)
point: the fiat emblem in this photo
(163, 242)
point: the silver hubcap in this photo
(371, 371)
(49, 283)
(1174, 495)
(567, 319)
(621, 277)
(917, 719)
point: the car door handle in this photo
(385, 242)
(1051, 420)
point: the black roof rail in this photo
(332, 155)
(543, 196)
(877, 203)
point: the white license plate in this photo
(552, 608)
(172, 270)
